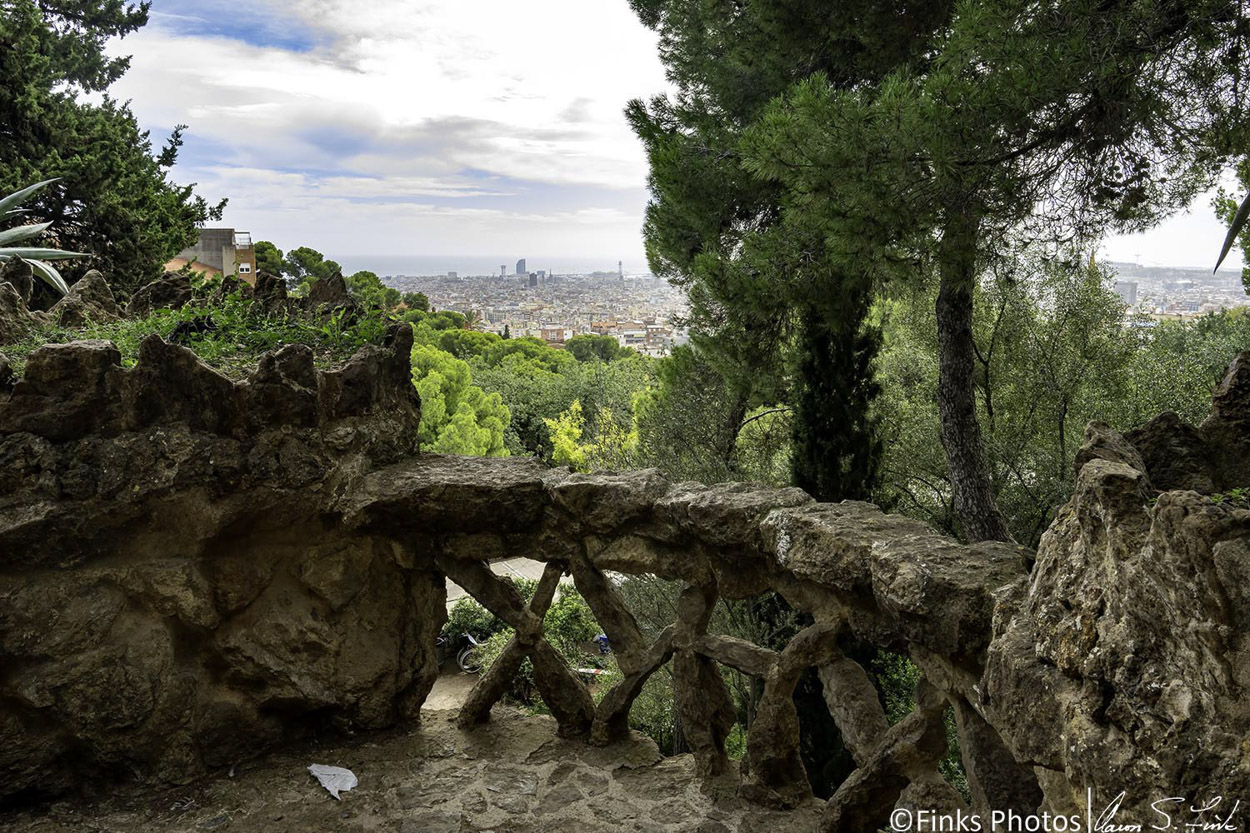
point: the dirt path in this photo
(450, 689)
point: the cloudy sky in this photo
(431, 127)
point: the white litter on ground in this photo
(334, 778)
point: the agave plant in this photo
(38, 259)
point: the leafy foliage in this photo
(589, 348)
(268, 257)
(244, 331)
(303, 266)
(457, 417)
(35, 257)
(114, 199)
(1053, 352)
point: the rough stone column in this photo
(703, 701)
(995, 780)
(777, 772)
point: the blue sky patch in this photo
(257, 25)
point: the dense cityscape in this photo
(1170, 292)
(637, 310)
(641, 310)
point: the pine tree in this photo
(762, 287)
(1104, 115)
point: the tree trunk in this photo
(975, 509)
(733, 420)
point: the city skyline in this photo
(437, 132)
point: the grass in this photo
(243, 332)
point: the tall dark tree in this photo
(838, 451)
(1054, 121)
(760, 289)
(114, 199)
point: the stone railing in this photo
(856, 570)
(185, 583)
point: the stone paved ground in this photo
(511, 776)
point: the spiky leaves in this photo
(38, 258)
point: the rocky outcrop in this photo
(330, 296)
(177, 595)
(1213, 457)
(172, 291)
(89, 301)
(1128, 649)
(196, 568)
(19, 274)
(15, 319)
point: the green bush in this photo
(467, 616)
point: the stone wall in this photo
(175, 592)
(194, 570)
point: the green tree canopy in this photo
(367, 288)
(526, 355)
(416, 301)
(114, 199)
(457, 417)
(303, 266)
(828, 172)
(764, 286)
(589, 348)
(268, 258)
(466, 344)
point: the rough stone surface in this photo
(195, 569)
(171, 291)
(21, 276)
(330, 296)
(228, 286)
(1174, 454)
(89, 301)
(15, 319)
(177, 593)
(1128, 652)
(507, 776)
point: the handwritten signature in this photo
(1214, 815)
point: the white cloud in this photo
(1189, 238)
(406, 103)
(436, 126)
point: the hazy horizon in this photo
(482, 265)
(488, 265)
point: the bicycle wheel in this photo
(468, 659)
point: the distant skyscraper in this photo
(520, 267)
(503, 269)
(453, 275)
(542, 274)
(1127, 290)
(533, 279)
(620, 269)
